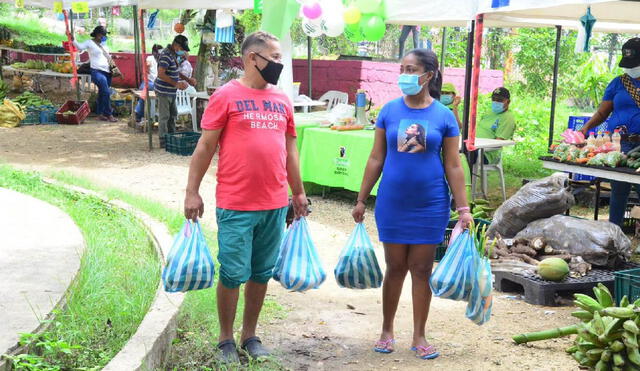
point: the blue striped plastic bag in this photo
(358, 267)
(298, 267)
(454, 276)
(189, 264)
(481, 300)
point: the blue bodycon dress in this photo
(413, 200)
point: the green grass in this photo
(195, 346)
(116, 284)
(31, 31)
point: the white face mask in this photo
(633, 72)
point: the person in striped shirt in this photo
(167, 83)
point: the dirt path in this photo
(320, 332)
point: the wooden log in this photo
(525, 258)
(521, 249)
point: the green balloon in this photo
(368, 6)
(353, 32)
(373, 27)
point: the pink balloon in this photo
(313, 11)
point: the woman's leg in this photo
(108, 111)
(396, 258)
(420, 258)
(101, 82)
(618, 202)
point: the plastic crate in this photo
(576, 123)
(81, 109)
(48, 116)
(182, 144)
(627, 283)
(442, 248)
(32, 117)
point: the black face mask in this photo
(271, 72)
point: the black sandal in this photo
(229, 351)
(254, 348)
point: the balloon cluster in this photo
(322, 17)
(360, 20)
(365, 20)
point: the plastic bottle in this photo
(615, 139)
(607, 137)
(599, 139)
(591, 141)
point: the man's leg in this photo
(266, 244)
(235, 237)
(164, 112)
(171, 124)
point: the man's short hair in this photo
(259, 38)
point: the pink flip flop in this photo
(382, 346)
(430, 351)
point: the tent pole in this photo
(554, 90)
(145, 88)
(74, 66)
(475, 82)
(443, 50)
(467, 83)
(309, 61)
(136, 44)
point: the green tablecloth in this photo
(305, 121)
(336, 158)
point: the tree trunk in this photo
(203, 53)
(187, 16)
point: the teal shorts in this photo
(248, 243)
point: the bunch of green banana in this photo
(608, 335)
(479, 208)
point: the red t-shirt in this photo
(252, 173)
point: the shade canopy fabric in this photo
(148, 4)
(613, 15)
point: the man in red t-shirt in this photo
(252, 121)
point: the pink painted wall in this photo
(379, 79)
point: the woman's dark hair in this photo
(156, 48)
(99, 30)
(429, 61)
(420, 137)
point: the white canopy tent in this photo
(440, 13)
(148, 4)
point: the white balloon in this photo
(333, 25)
(311, 27)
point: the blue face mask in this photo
(180, 52)
(409, 84)
(446, 99)
(104, 39)
(497, 107)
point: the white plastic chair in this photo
(485, 169)
(334, 98)
(186, 105)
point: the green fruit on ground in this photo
(553, 269)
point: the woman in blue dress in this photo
(416, 151)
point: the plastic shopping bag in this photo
(358, 267)
(481, 300)
(298, 266)
(453, 278)
(189, 264)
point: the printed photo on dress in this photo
(412, 136)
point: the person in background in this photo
(251, 121)
(621, 106)
(450, 98)
(152, 74)
(413, 203)
(100, 71)
(499, 124)
(167, 83)
(186, 73)
(404, 33)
